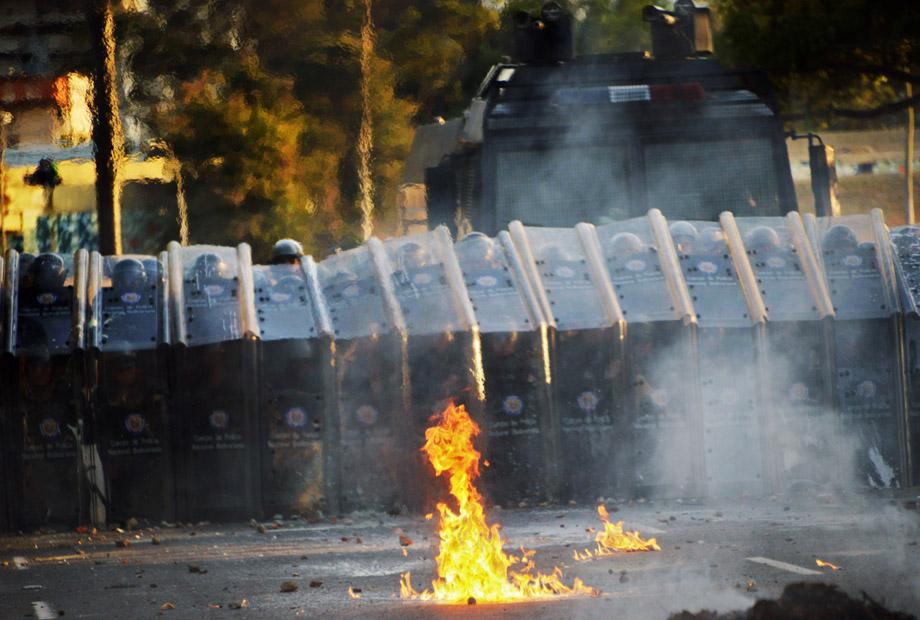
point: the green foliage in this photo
(824, 57)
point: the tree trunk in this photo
(909, 161)
(107, 137)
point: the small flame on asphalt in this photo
(823, 564)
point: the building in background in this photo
(43, 44)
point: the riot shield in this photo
(660, 448)
(5, 390)
(856, 255)
(128, 336)
(214, 330)
(296, 390)
(796, 362)
(731, 412)
(587, 369)
(442, 357)
(515, 359)
(369, 380)
(906, 241)
(46, 314)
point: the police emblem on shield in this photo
(218, 419)
(46, 299)
(512, 405)
(367, 415)
(852, 260)
(635, 264)
(135, 423)
(707, 267)
(588, 401)
(213, 290)
(280, 298)
(661, 398)
(130, 298)
(295, 417)
(776, 262)
(352, 290)
(798, 391)
(487, 281)
(49, 428)
(565, 272)
(866, 389)
(421, 279)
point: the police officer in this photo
(286, 252)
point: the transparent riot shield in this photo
(214, 331)
(296, 390)
(128, 338)
(906, 241)
(796, 366)
(731, 411)
(660, 448)
(515, 360)
(5, 391)
(857, 259)
(46, 296)
(369, 380)
(587, 369)
(442, 354)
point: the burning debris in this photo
(823, 564)
(472, 564)
(613, 539)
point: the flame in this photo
(614, 539)
(471, 562)
(822, 564)
(352, 593)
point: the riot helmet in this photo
(48, 272)
(412, 256)
(626, 243)
(684, 235)
(840, 238)
(762, 240)
(712, 241)
(286, 252)
(129, 275)
(152, 268)
(211, 267)
(476, 247)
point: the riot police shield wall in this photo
(217, 440)
(128, 380)
(797, 365)
(727, 359)
(441, 355)
(296, 387)
(369, 380)
(46, 294)
(663, 434)
(518, 425)
(587, 368)
(869, 384)
(907, 245)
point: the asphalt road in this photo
(719, 555)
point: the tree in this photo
(846, 59)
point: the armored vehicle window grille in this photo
(699, 180)
(563, 185)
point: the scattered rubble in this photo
(289, 586)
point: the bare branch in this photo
(882, 110)
(889, 72)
